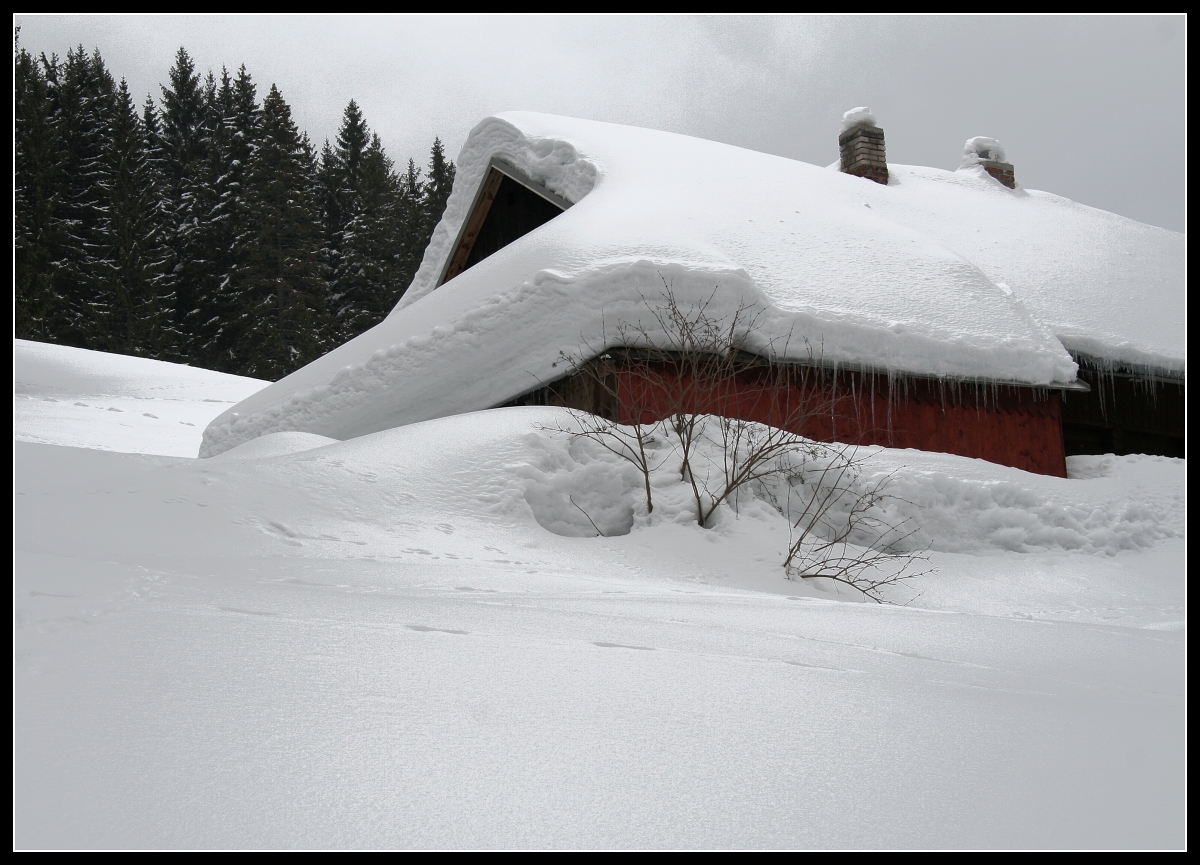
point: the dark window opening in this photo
(1124, 414)
(505, 211)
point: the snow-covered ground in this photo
(413, 639)
(81, 398)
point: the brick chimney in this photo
(861, 142)
(989, 154)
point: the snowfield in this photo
(72, 396)
(415, 639)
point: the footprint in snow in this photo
(623, 646)
(424, 628)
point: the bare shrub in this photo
(841, 527)
(689, 378)
(631, 443)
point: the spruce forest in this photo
(204, 228)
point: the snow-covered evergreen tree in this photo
(37, 191)
(371, 247)
(414, 228)
(174, 235)
(220, 210)
(183, 147)
(82, 98)
(438, 186)
(138, 320)
(278, 259)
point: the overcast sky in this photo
(1090, 108)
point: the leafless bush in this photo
(841, 527)
(631, 443)
(732, 416)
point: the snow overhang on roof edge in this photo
(942, 274)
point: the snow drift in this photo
(938, 273)
(415, 639)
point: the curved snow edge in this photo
(552, 162)
(578, 313)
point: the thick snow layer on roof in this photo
(938, 273)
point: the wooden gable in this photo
(508, 206)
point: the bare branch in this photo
(599, 533)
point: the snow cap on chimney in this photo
(855, 116)
(989, 153)
(861, 143)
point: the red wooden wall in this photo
(1012, 426)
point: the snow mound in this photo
(981, 149)
(277, 444)
(577, 489)
(952, 504)
(938, 273)
(1110, 505)
(855, 116)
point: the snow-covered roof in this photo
(939, 273)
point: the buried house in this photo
(949, 310)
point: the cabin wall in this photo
(1125, 414)
(1019, 427)
(1013, 426)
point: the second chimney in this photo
(988, 154)
(861, 142)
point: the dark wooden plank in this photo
(474, 223)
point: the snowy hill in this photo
(72, 396)
(412, 638)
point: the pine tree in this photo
(138, 320)
(437, 188)
(349, 229)
(37, 190)
(183, 115)
(209, 231)
(329, 178)
(182, 137)
(328, 197)
(169, 343)
(83, 100)
(412, 225)
(352, 141)
(371, 247)
(242, 122)
(278, 259)
(219, 209)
